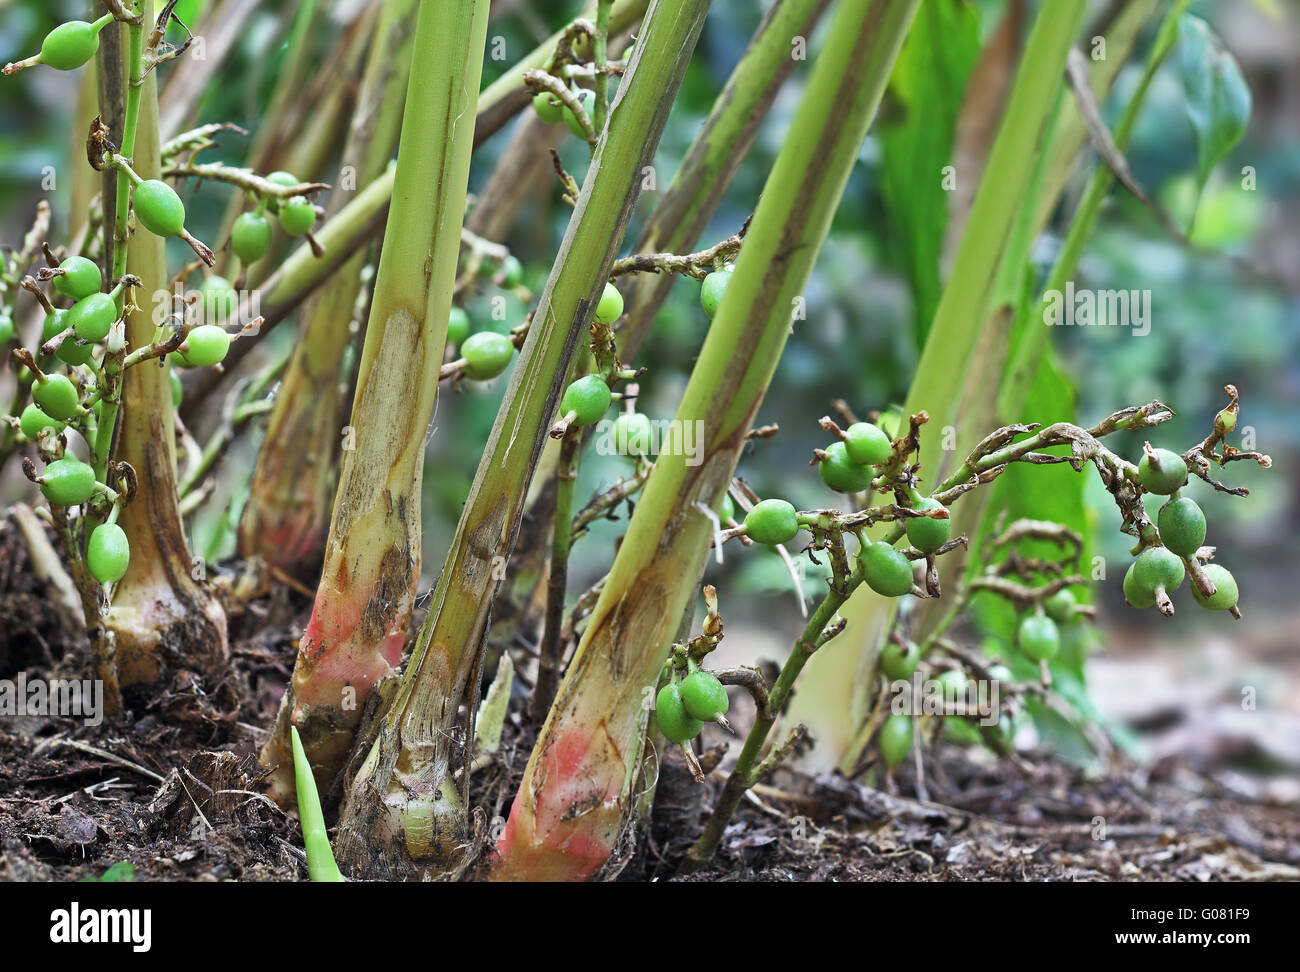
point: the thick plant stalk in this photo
(367, 588)
(1014, 339)
(835, 694)
(571, 804)
(401, 815)
(162, 607)
(688, 204)
(994, 210)
(683, 212)
(286, 519)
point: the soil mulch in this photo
(173, 788)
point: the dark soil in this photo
(173, 788)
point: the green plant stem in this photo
(286, 518)
(1122, 34)
(298, 52)
(551, 647)
(506, 96)
(407, 766)
(111, 400)
(993, 211)
(134, 83)
(1016, 340)
(600, 57)
(1085, 216)
(367, 591)
(688, 204)
(130, 127)
(570, 808)
(245, 179)
(746, 772)
(162, 609)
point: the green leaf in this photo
(190, 12)
(1060, 735)
(1218, 100)
(1051, 492)
(320, 858)
(120, 872)
(927, 83)
(1044, 492)
(492, 711)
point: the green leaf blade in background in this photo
(832, 700)
(928, 84)
(1218, 99)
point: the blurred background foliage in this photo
(1213, 323)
